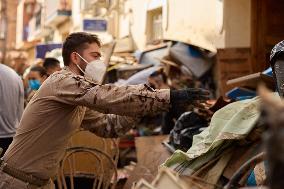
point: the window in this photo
(155, 26)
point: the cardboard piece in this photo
(165, 179)
(168, 179)
(232, 63)
(150, 155)
(143, 184)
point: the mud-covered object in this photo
(276, 62)
(279, 76)
(187, 125)
(277, 50)
(192, 58)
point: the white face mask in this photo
(95, 70)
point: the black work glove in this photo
(188, 95)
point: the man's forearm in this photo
(108, 125)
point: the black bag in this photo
(187, 125)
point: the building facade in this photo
(7, 30)
(238, 31)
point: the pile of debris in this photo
(203, 138)
(170, 64)
(245, 87)
(183, 65)
(205, 142)
(169, 179)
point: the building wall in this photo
(214, 23)
(8, 30)
(12, 20)
(237, 23)
(62, 31)
(124, 19)
(76, 15)
(208, 23)
(20, 23)
(180, 18)
(220, 23)
(193, 17)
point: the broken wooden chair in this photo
(101, 168)
(89, 156)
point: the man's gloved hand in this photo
(188, 95)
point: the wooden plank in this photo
(252, 81)
(232, 63)
(266, 31)
(233, 53)
(243, 79)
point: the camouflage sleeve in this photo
(111, 99)
(107, 125)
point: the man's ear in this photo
(74, 58)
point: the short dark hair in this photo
(40, 69)
(50, 63)
(77, 42)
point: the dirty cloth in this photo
(65, 102)
(187, 125)
(233, 122)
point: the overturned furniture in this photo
(89, 161)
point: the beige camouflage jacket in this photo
(67, 101)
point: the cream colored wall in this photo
(19, 27)
(139, 22)
(237, 23)
(62, 29)
(124, 19)
(76, 15)
(192, 16)
(220, 23)
(180, 18)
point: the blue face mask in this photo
(34, 84)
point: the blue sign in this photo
(94, 25)
(42, 49)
